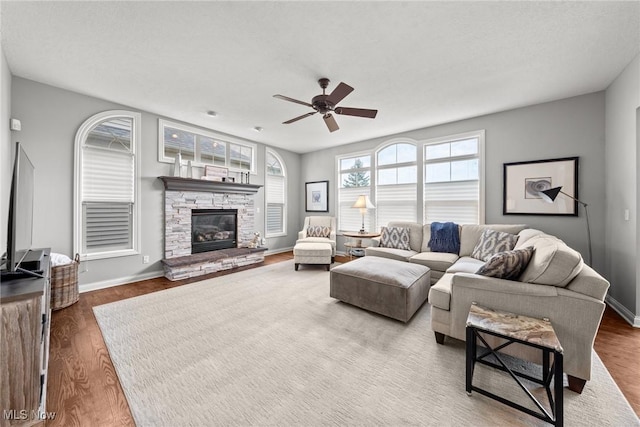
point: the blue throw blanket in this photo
(444, 237)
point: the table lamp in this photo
(363, 203)
(550, 195)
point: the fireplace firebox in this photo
(213, 229)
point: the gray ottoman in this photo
(385, 286)
(312, 253)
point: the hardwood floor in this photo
(83, 388)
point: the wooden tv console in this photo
(25, 317)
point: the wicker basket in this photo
(64, 284)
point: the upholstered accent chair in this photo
(327, 222)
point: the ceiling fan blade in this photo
(330, 122)
(299, 118)
(360, 112)
(339, 93)
(286, 98)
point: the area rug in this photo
(268, 346)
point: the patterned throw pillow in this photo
(491, 242)
(395, 237)
(507, 265)
(318, 231)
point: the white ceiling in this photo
(418, 63)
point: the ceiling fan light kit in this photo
(326, 104)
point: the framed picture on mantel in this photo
(523, 182)
(317, 196)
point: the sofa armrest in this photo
(375, 242)
(492, 284)
(302, 234)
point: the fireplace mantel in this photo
(174, 183)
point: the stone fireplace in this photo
(217, 216)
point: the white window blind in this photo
(452, 201)
(351, 218)
(276, 195)
(107, 175)
(395, 203)
(275, 204)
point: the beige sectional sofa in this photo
(556, 284)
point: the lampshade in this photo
(550, 195)
(363, 202)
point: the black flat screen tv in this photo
(20, 226)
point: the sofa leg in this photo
(439, 337)
(576, 384)
(333, 259)
(328, 267)
(296, 267)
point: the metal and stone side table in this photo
(513, 328)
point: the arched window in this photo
(396, 183)
(276, 195)
(106, 185)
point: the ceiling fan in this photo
(325, 104)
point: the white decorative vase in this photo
(178, 165)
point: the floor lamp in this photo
(551, 194)
(363, 203)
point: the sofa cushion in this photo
(466, 264)
(318, 231)
(438, 261)
(415, 233)
(440, 293)
(391, 253)
(491, 242)
(507, 265)
(395, 237)
(552, 263)
(470, 234)
(525, 235)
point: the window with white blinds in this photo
(355, 180)
(452, 174)
(276, 195)
(106, 211)
(396, 184)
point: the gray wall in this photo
(6, 148)
(50, 119)
(564, 128)
(622, 161)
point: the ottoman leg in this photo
(296, 267)
(439, 337)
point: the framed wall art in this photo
(317, 196)
(523, 182)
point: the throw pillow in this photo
(395, 237)
(507, 265)
(318, 231)
(491, 242)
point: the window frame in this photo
(226, 139)
(78, 223)
(266, 200)
(480, 135)
(339, 171)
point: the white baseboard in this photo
(119, 281)
(278, 251)
(623, 311)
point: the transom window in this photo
(203, 148)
